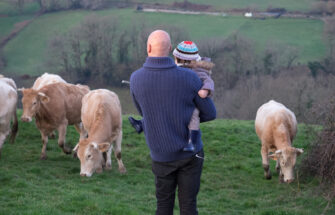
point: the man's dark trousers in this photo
(184, 174)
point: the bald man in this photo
(166, 95)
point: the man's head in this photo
(159, 44)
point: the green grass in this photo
(27, 52)
(232, 180)
(298, 5)
(7, 24)
(10, 10)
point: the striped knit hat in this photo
(186, 50)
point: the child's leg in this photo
(137, 124)
(194, 127)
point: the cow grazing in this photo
(102, 119)
(54, 106)
(8, 101)
(276, 127)
(47, 79)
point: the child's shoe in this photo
(192, 141)
(137, 124)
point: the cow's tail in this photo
(15, 128)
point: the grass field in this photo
(232, 180)
(10, 10)
(7, 24)
(298, 5)
(27, 52)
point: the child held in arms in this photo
(186, 54)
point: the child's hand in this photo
(203, 93)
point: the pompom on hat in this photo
(187, 50)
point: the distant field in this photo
(27, 52)
(7, 24)
(232, 182)
(10, 10)
(291, 5)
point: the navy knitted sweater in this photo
(166, 95)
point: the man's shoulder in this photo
(136, 73)
(189, 73)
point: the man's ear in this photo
(44, 98)
(104, 147)
(149, 48)
(299, 151)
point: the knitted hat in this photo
(186, 50)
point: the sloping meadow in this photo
(232, 180)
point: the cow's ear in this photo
(299, 151)
(103, 147)
(275, 155)
(75, 149)
(44, 98)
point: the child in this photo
(186, 55)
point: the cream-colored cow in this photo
(8, 101)
(102, 119)
(276, 127)
(47, 79)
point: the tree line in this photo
(101, 52)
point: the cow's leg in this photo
(2, 140)
(108, 165)
(265, 161)
(117, 153)
(80, 129)
(61, 138)
(277, 166)
(44, 147)
(15, 127)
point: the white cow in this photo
(276, 127)
(8, 101)
(47, 79)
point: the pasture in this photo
(232, 180)
(27, 53)
(301, 5)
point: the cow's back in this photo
(101, 114)
(47, 79)
(274, 119)
(8, 100)
(64, 101)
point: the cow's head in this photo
(287, 159)
(31, 102)
(90, 156)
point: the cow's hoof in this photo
(67, 151)
(43, 157)
(74, 155)
(108, 167)
(268, 176)
(123, 170)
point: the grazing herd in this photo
(96, 115)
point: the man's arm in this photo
(206, 107)
(138, 107)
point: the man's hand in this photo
(203, 93)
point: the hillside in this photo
(232, 180)
(27, 53)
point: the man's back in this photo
(166, 96)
